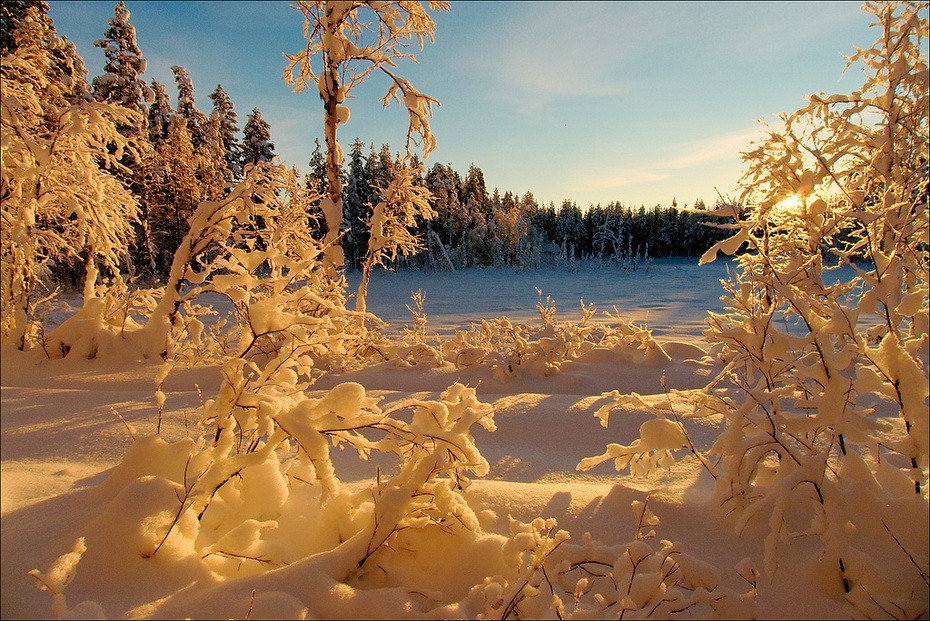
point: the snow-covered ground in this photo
(60, 438)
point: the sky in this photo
(640, 103)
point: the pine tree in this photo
(30, 26)
(223, 109)
(187, 108)
(210, 161)
(121, 83)
(172, 191)
(445, 186)
(12, 15)
(358, 201)
(570, 229)
(159, 114)
(256, 142)
(475, 202)
(317, 183)
(380, 168)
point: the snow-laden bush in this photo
(824, 387)
(252, 510)
(639, 579)
(510, 348)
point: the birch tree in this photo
(347, 42)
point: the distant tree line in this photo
(475, 227)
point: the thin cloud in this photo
(692, 154)
(618, 179)
(562, 50)
(729, 145)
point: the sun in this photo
(792, 206)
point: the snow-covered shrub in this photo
(61, 202)
(640, 579)
(824, 343)
(257, 489)
(510, 348)
(254, 502)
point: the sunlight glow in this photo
(793, 206)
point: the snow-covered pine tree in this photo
(212, 172)
(357, 205)
(121, 83)
(146, 255)
(381, 166)
(223, 108)
(256, 139)
(570, 229)
(351, 41)
(510, 227)
(476, 204)
(12, 14)
(529, 250)
(159, 114)
(450, 222)
(172, 191)
(187, 108)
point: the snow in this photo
(82, 499)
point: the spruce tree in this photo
(12, 15)
(223, 110)
(475, 201)
(187, 108)
(121, 83)
(172, 192)
(570, 228)
(256, 142)
(318, 183)
(159, 115)
(210, 161)
(358, 199)
(445, 186)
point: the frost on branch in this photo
(589, 580)
(253, 248)
(404, 205)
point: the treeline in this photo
(475, 227)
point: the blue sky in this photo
(637, 102)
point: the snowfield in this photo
(62, 443)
